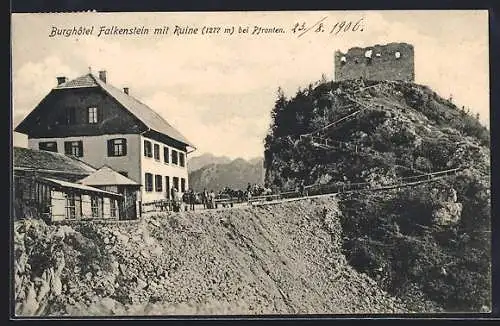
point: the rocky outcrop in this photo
(448, 213)
(447, 210)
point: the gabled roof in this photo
(71, 185)
(106, 176)
(25, 158)
(140, 110)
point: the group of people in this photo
(190, 198)
(207, 198)
(257, 190)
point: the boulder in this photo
(448, 213)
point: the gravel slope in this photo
(280, 259)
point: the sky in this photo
(219, 89)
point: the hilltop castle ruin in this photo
(393, 61)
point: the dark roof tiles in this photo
(140, 110)
(82, 81)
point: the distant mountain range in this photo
(205, 159)
(215, 172)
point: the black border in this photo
(31, 6)
(248, 5)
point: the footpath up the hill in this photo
(280, 259)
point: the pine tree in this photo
(277, 113)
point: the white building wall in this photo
(95, 152)
(150, 165)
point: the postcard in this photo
(290, 163)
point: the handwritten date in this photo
(321, 26)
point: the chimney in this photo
(61, 80)
(125, 90)
(102, 75)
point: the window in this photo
(70, 206)
(397, 54)
(343, 60)
(149, 182)
(165, 155)
(96, 204)
(157, 152)
(174, 157)
(112, 207)
(181, 159)
(158, 183)
(147, 149)
(183, 185)
(70, 116)
(176, 183)
(117, 147)
(50, 146)
(74, 148)
(92, 114)
(167, 186)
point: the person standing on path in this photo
(176, 200)
(171, 203)
(192, 199)
(212, 199)
(204, 198)
(302, 188)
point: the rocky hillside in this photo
(430, 241)
(235, 175)
(197, 162)
(282, 259)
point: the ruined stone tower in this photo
(393, 61)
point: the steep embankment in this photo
(279, 259)
(430, 241)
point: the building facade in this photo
(100, 124)
(47, 185)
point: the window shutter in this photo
(80, 148)
(124, 147)
(110, 147)
(67, 148)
